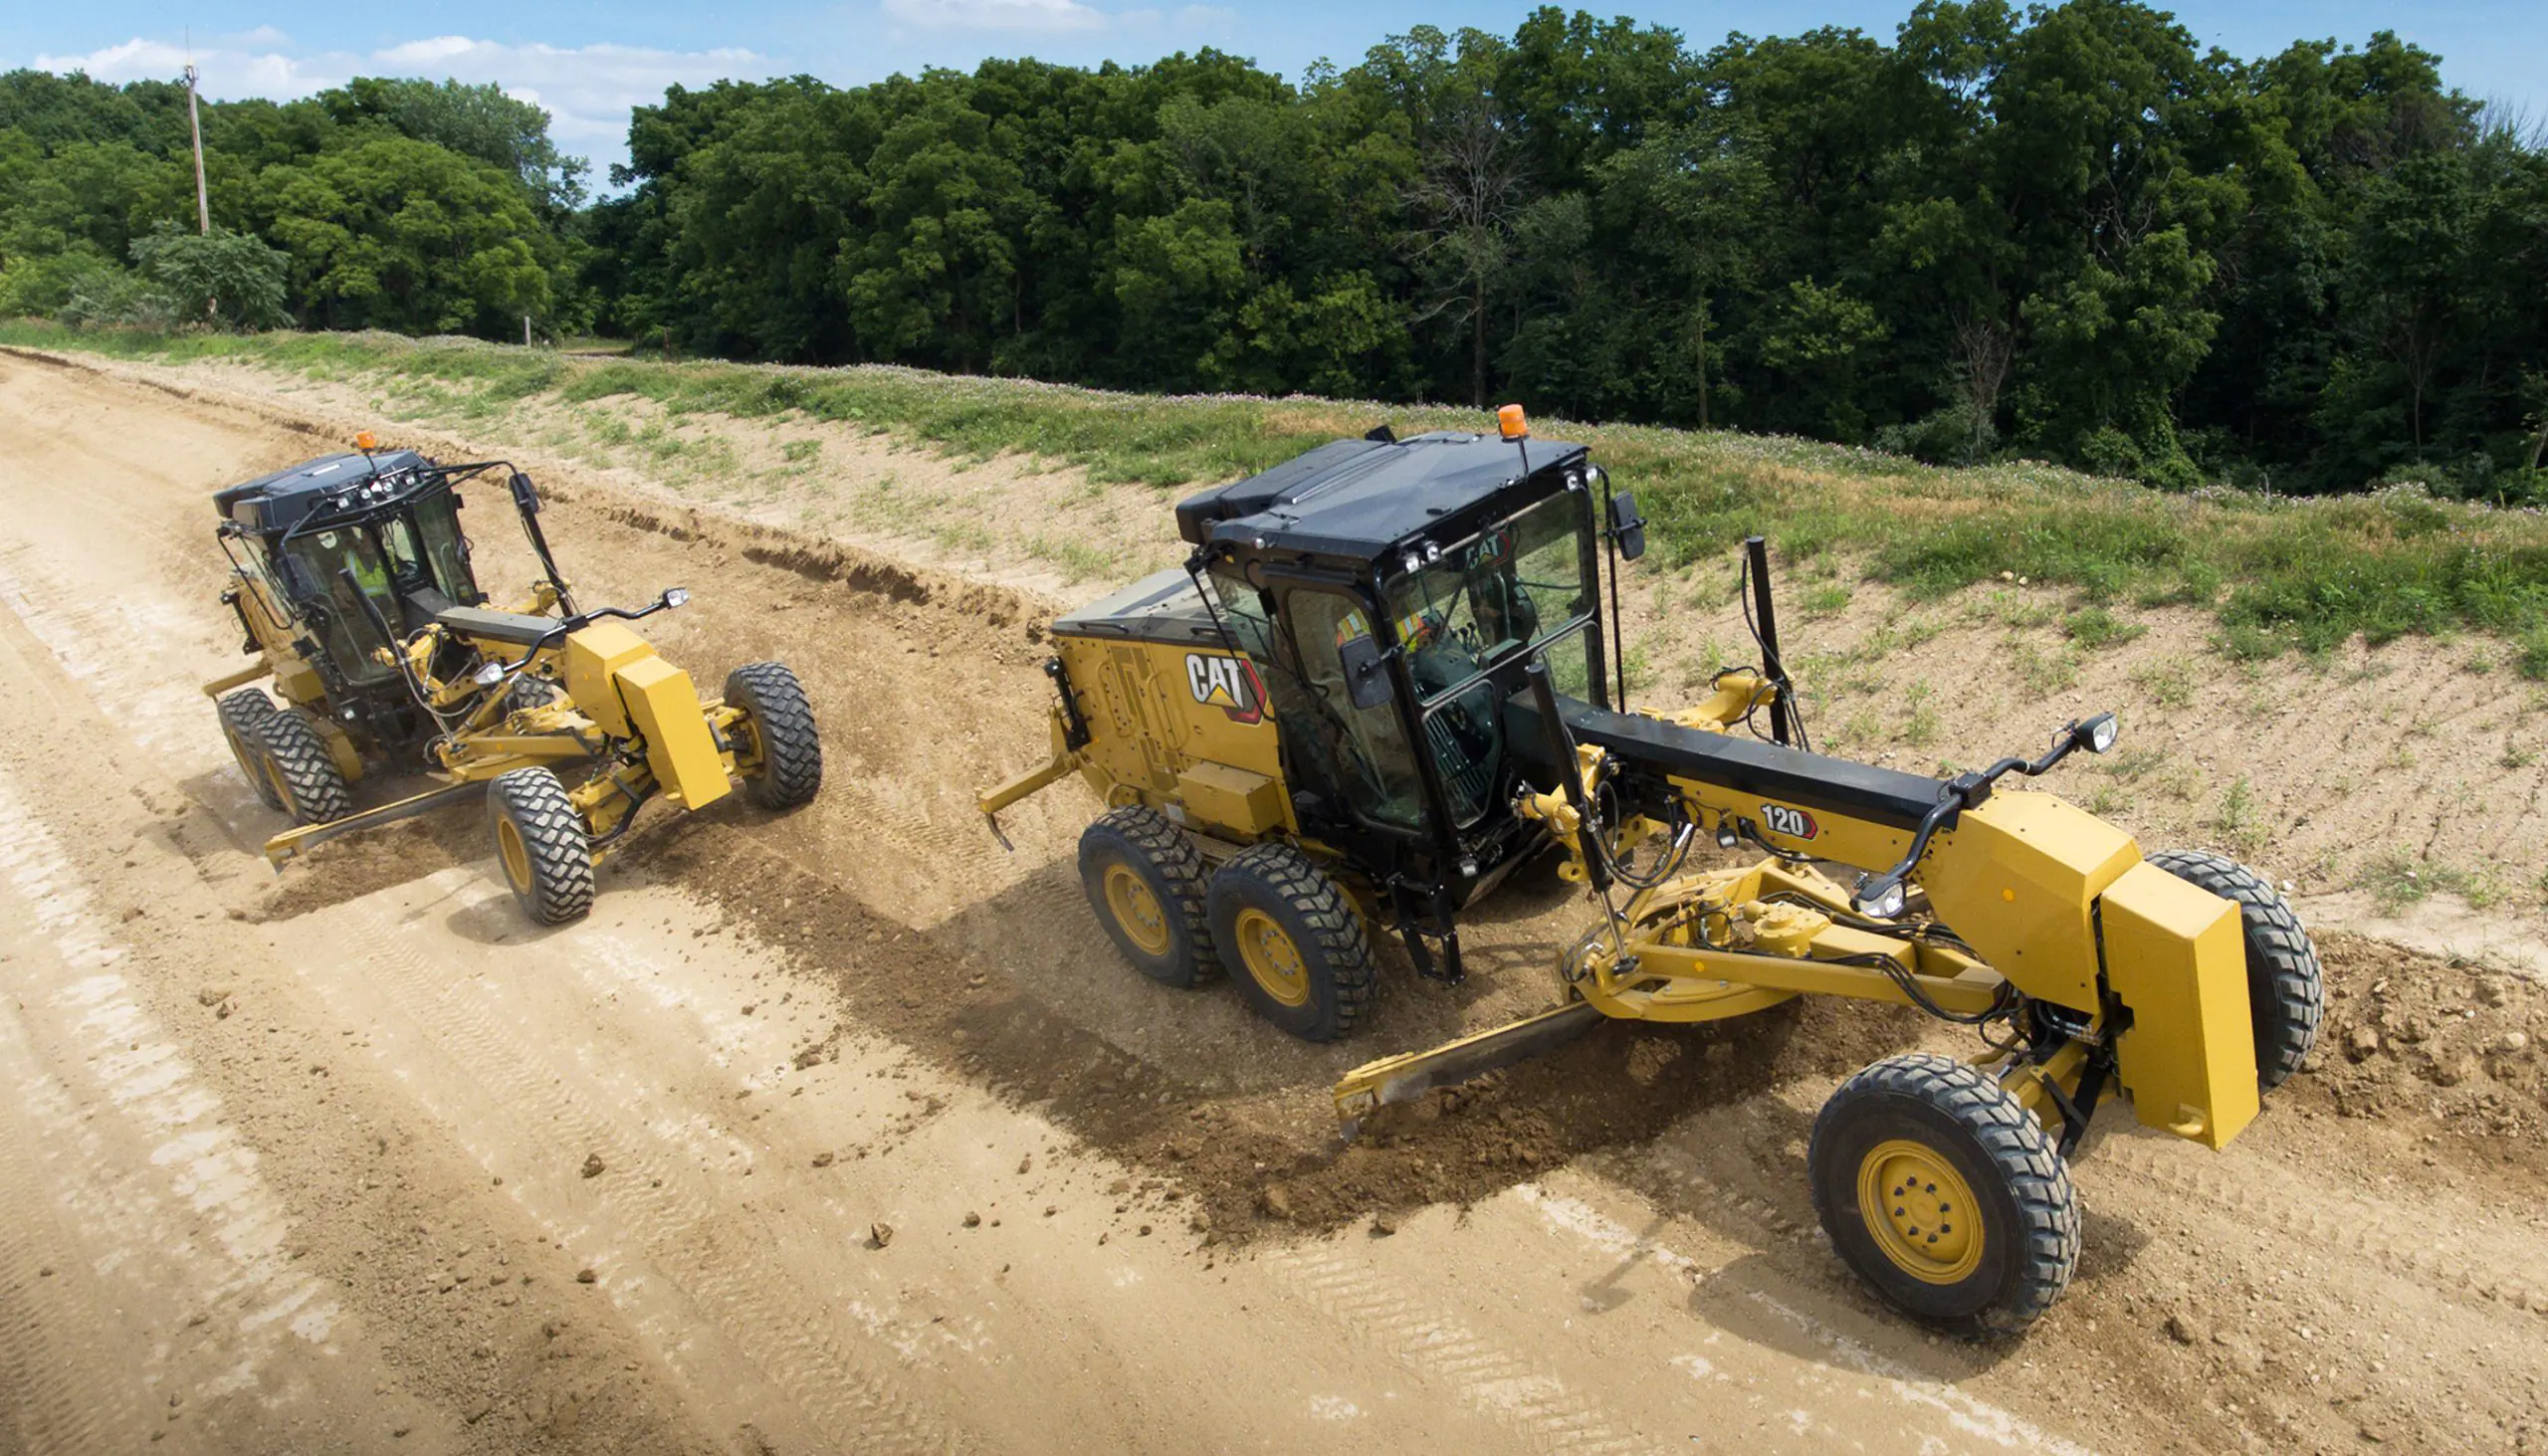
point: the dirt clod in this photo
(879, 1235)
(593, 1165)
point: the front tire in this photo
(300, 771)
(1941, 1191)
(1293, 943)
(782, 723)
(2285, 998)
(541, 842)
(242, 714)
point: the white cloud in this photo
(1041, 17)
(586, 90)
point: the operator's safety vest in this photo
(373, 579)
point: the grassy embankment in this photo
(2278, 574)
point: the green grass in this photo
(2398, 879)
(2279, 573)
(2235, 818)
(2095, 627)
(2171, 681)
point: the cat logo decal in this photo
(1226, 683)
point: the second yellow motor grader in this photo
(1386, 678)
(353, 582)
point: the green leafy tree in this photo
(400, 234)
(222, 278)
(478, 122)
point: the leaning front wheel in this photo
(2286, 999)
(782, 723)
(541, 843)
(1941, 1191)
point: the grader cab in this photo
(352, 581)
(1386, 678)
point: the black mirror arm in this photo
(526, 505)
(1964, 791)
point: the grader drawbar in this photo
(1387, 677)
(351, 580)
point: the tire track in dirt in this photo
(680, 1233)
(205, 1169)
(52, 1362)
(2474, 1268)
(1393, 1318)
(1972, 1416)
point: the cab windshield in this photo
(1515, 587)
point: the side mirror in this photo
(1627, 526)
(526, 494)
(296, 580)
(1367, 679)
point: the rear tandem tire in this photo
(1146, 881)
(782, 722)
(542, 845)
(1293, 943)
(2286, 999)
(1986, 1231)
(241, 712)
(303, 775)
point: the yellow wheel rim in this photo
(1273, 961)
(1920, 1212)
(517, 855)
(1136, 909)
(283, 789)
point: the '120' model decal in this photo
(1794, 823)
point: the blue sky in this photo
(588, 62)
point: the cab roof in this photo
(284, 498)
(1359, 498)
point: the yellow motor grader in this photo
(351, 580)
(1386, 678)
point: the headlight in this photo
(1881, 899)
(489, 673)
(2097, 733)
(677, 596)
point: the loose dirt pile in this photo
(2408, 1034)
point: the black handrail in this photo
(1965, 790)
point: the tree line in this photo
(399, 204)
(2064, 232)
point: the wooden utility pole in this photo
(194, 123)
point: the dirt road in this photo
(845, 1132)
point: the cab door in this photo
(1366, 753)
